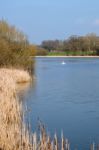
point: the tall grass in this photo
(10, 109)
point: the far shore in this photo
(68, 56)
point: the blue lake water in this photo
(66, 98)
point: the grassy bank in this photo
(71, 53)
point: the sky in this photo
(51, 19)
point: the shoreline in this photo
(67, 56)
(15, 134)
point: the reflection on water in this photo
(66, 97)
(23, 89)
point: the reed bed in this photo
(14, 135)
(10, 109)
(19, 76)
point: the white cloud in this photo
(87, 22)
(96, 22)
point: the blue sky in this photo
(52, 19)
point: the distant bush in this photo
(15, 50)
(41, 51)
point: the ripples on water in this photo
(66, 97)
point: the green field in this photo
(71, 53)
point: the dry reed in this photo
(10, 109)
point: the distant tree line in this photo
(15, 49)
(74, 45)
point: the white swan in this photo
(63, 63)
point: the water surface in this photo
(66, 98)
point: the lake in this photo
(66, 98)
